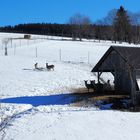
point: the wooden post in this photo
(88, 56)
(6, 51)
(60, 55)
(20, 42)
(133, 85)
(14, 50)
(98, 76)
(36, 51)
(27, 42)
(11, 42)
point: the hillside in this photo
(33, 103)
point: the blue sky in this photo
(58, 11)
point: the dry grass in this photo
(88, 99)
(82, 90)
(105, 97)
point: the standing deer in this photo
(36, 65)
(49, 67)
(91, 85)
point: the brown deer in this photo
(36, 65)
(49, 67)
(38, 68)
(90, 85)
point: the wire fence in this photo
(36, 48)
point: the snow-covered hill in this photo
(21, 86)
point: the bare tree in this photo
(109, 19)
(79, 24)
(5, 41)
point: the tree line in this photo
(119, 25)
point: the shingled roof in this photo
(130, 54)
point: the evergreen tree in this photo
(122, 26)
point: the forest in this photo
(119, 25)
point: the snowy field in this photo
(33, 103)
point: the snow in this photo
(71, 125)
(38, 105)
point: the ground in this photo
(36, 104)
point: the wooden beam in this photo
(133, 85)
(98, 76)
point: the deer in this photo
(49, 67)
(36, 65)
(92, 85)
(38, 68)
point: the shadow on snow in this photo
(61, 99)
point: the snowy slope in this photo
(73, 62)
(73, 125)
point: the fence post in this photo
(88, 57)
(20, 42)
(60, 55)
(27, 42)
(14, 50)
(36, 51)
(11, 42)
(6, 50)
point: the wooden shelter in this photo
(27, 36)
(124, 64)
